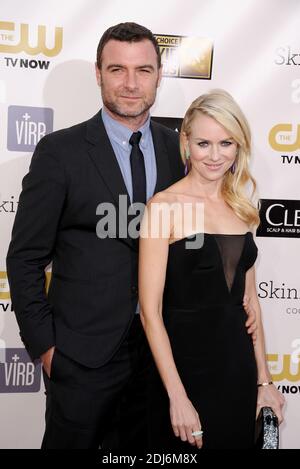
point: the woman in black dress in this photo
(197, 257)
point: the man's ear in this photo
(98, 74)
(159, 75)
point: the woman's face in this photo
(212, 149)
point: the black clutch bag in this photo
(267, 430)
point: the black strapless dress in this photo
(214, 355)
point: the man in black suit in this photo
(86, 330)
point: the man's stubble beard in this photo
(116, 109)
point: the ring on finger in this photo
(197, 434)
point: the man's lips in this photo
(131, 97)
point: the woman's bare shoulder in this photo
(163, 197)
(174, 193)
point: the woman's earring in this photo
(233, 168)
(187, 153)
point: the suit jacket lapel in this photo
(103, 156)
(105, 161)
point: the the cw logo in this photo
(4, 286)
(280, 138)
(23, 44)
(285, 373)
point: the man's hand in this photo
(251, 323)
(46, 359)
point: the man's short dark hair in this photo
(127, 32)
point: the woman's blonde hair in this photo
(220, 105)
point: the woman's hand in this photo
(251, 323)
(269, 396)
(185, 420)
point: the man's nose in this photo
(131, 80)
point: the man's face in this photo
(129, 77)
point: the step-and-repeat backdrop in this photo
(252, 49)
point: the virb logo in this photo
(26, 126)
(18, 373)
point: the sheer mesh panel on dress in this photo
(230, 247)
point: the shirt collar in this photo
(121, 134)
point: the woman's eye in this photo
(226, 143)
(203, 144)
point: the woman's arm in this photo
(267, 395)
(153, 256)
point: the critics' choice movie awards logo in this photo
(26, 126)
(285, 138)
(185, 57)
(18, 373)
(279, 218)
(29, 39)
